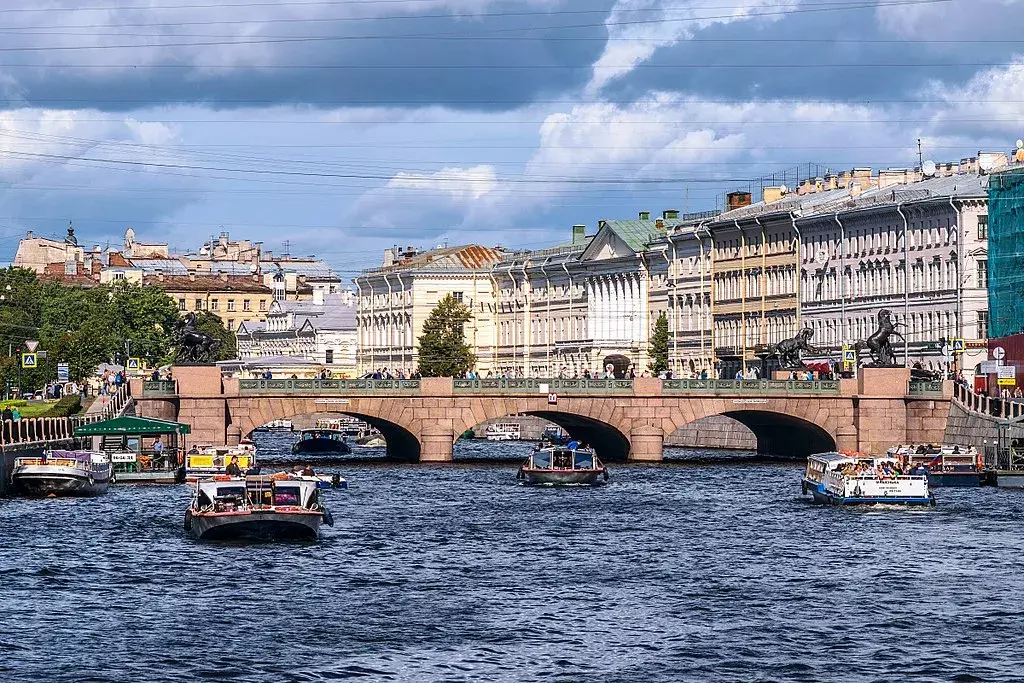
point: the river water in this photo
(708, 569)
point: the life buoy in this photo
(857, 491)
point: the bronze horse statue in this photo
(878, 344)
(191, 344)
(788, 350)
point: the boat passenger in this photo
(253, 470)
(307, 471)
(194, 450)
(233, 470)
(573, 445)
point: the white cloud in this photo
(666, 24)
(460, 184)
(952, 20)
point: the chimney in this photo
(318, 296)
(645, 215)
(389, 258)
(224, 277)
(862, 176)
(96, 265)
(579, 234)
(160, 275)
(737, 200)
(992, 161)
(659, 223)
(670, 214)
(191, 276)
(844, 179)
(28, 236)
(830, 182)
(772, 194)
(891, 176)
(855, 190)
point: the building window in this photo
(230, 324)
(982, 324)
(983, 273)
(181, 304)
(199, 304)
(231, 305)
(246, 305)
(263, 304)
(118, 276)
(213, 305)
(457, 296)
(983, 226)
(329, 356)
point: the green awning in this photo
(132, 425)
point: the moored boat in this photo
(861, 479)
(278, 507)
(62, 473)
(562, 466)
(503, 431)
(321, 441)
(946, 464)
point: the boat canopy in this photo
(132, 425)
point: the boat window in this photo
(286, 495)
(227, 491)
(542, 459)
(563, 459)
(583, 461)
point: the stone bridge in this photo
(623, 419)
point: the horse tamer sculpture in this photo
(788, 350)
(878, 344)
(191, 345)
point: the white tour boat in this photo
(62, 473)
(861, 479)
(503, 431)
(277, 507)
(562, 466)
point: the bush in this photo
(66, 407)
(13, 403)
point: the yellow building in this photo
(236, 299)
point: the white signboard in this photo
(1007, 371)
(989, 367)
(332, 401)
(122, 457)
(542, 388)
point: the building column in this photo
(645, 443)
(436, 442)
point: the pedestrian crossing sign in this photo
(849, 355)
(958, 345)
(28, 360)
(134, 364)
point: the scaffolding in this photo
(1006, 253)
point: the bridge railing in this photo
(536, 384)
(751, 386)
(922, 387)
(327, 386)
(159, 387)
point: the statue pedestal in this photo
(197, 380)
(882, 381)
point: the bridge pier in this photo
(646, 443)
(436, 442)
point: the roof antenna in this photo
(920, 157)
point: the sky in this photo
(339, 128)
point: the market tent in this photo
(132, 425)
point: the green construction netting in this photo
(1006, 253)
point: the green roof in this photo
(132, 425)
(636, 234)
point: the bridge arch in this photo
(612, 445)
(784, 434)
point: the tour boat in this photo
(209, 461)
(861, 479)
(62, 473)
(946, 464)
(374, 441)
(276, 426)
(503, 431)
(278, 507)
(321, 441)
(562, 466)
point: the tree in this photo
(659, 346)
(211, 324)
(442, 346)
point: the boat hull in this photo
(321, 446)
(45, 480)
(821, 495)
(954, 479)
(255, 525)
(562, 478)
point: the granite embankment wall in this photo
(974, 429)
(715, 431)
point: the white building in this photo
(320, 331)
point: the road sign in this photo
(28, 360)
(1007, 381)
(1007, 371)
(849, 355)
(31, 344)
(63, 372)
(989, 367)
(134, 364)
(999, 353)
(958, 345)
(552, 399)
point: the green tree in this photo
(442, 346)
(146, 316)
(211, 324)
(658, 351)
